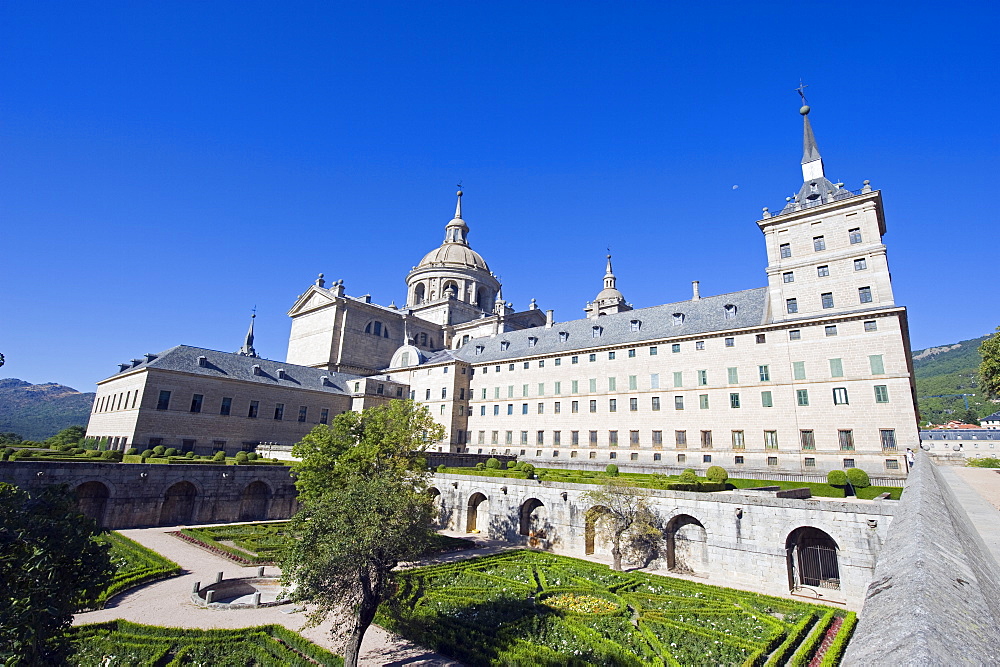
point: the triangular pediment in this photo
(314, 297)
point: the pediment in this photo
(314, 298)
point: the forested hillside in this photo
(950, 369)
(39, 411)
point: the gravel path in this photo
(168, 603)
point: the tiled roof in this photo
(703, 316)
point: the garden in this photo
(124, 644)
(531, 608)
(93, 453)
(134, 565)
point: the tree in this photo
(67, 436)
(620, 510)
(50, 566)
(989, 368)
(362, 482)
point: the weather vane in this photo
(801, 90)
(459, 186)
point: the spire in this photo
(458, 206)
(247, 349)
(609, 276)
(456, 230)
(812, 163)
(609, 300)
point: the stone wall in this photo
(129, 495)
(935, 596)
(749, 539)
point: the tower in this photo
(609, 300)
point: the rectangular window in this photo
(279, 411)
(655, 400)
(785, 250)
(681, 458)
(482, 410)
(481, 438)
(702, 378)
(163, 402)
(540, 409)
(574, 437)
(613, 455)
(324, 416)
(765, 373)
(761, 338)
(593, 385)
(593, 406)
(524, 390)
(483, 394)
(840, 396)
(556, 438)
(427, 395)
(766, 400)
(612, 405)
(830, 330)
(227, 405)
(809, 462)
(706, 458)
(510, 408)
(788, 277)
(836, 368)
(557, 389)
(770, 439)
(871, 325)
(678, 402)
(633, 405)
(557, 407)
(196, 402)
(253, 409)
(681, 439)
(706, 439)
(807, 439)
(612, 384)
(860, 264)
(888, 438)
(510, 391)
(854, 235)
(574, 360)
(657, 438)
(612, 438)
(540, 438)
(799, 370)
(631, 353)
(730, 342)
(652, 351)
(575, 387)
(865, 294)
(802, 396)
(558, 361)
(846, 439)
(575, 407)
(633, 383)
(675, 348)
(791, 306)
(495, 437)
(699, 345)
(496, 392)
(772, 460)
(795, 334)
(592, 357)
(524, 408)
(819, 243)
(881, 393)
(611, 356)
(703, 401)
(496, 410)
(733, 375)
(654, 380)
(891, 464)
(678, 379)
(827, 299)
(738, 460)
(509, 437)
(593, 438)
(734, 400)
(303, 412)
(823, 271)
(875, 361)
(738, 441)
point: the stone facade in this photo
(749, 539)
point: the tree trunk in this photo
(367, 607)
(616, 554)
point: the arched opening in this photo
(418, 294)
(254, 501)
(450, 290)
(477, 504)
(440, 518)
(484, 299)
(687, 545)
(533, 518)
(178, 504)
(594, 535)
(92, 500)
(812, 559)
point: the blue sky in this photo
(167, 166)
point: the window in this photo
(496, 410)
(733, 375)
(652, 351)
(541, 408)
(633, 405)
(770, 439)
(678, 319)
(631, 354)
(738, 460)
(836, 368)
(657, 438)
(681, 458)
(540, 438)
(444, 392)
(611, 355)
(541, 363)
(871, 325)
(765, 373)
(482, 410)
(891, 464)
(592, 357)
(678, 402)
(888, 438)
(772, 460)
(703, 401)
(495, 437)
(593, 438)
(593, 406)
(655, 400)
(706, 439)
(881, 393)
(510, 408)
(809, 462)
(481, 438)
(846, 439)
(681, 438)
(657, 457)
(163, 402)
(734, 400)
(558, 361)
(634, 325)
(802, 396)
(788, 277)
(699, 345)
(531, 341)
(791, 306)
(612, 438)
(827, 299)
(574, 360)
(840, 396)
(574, 407)
(279, 411)
(761, 338)
(563, 336)
(785, 250)
(527, 365)
(807, 439)
(860, 264)
(819, 243)
(865, 294)
(427, 395)
(730, 342)
(613, 455)
(574, 438)
(575, 386)
(593, 385)
(524, 439)
(612, 405)
(854, 235)
(875, 361)
(830, 330)
(196, 402)
(795, 334)
(633, 382)
(324, 416)
(702, 378)
(654, 380)
(227, 406)
(524, 408)
(766, 400)
(678, 378)
(252, 410)
(557, 407)
(557, 389)
(504, 345)
(303, 411)
(596, 332)
(556, 438)
(508, 437)
(799, 370)
(823, 271)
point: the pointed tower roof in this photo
(247, 349)
(810, 151)
(816, 187)
(455, 250)
(609, 299)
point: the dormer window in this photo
(531, 341)
(596, 332)
(203, 362)
(504, 344)
(256, 370)
(281, 373)
(730, 311)
(563, 336)
(678, 319)
(479, 350)
(635, 325)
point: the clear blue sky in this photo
(167, 166)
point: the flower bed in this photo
(134, 565)
(526, 607)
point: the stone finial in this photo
(533, 305)
(866, 187)
(319, 281)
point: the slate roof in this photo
(656, 323)
(992, 418)
(184, 358)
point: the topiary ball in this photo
(159, 450)
(611, 469)
(511, 465)
(170, 451)
(858, 478)
(836, 478)
(480, 466)
(147, 453)
(131, 451)
(442, 468)
(493, 463)
(689, 476)
(717, 474)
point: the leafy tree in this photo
(50, 565)
(989, 368)
(67, 436)
(362, 485)
(621, 510)
(10, 439)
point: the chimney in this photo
(549, 318)
(136, 362)
(149, 357)
(695, 292)
(123, 367)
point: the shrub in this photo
(131, 451)
(717, 474)
(511, 465)
(189, 455)
(480, 466)
(519, 466)
(7, 451)
(528, 470)
(493, 463)
(441, 468)
(146, 453)
(241, 458)
(95, 453)
(170, 451)
(159, 450)
(112, 455)
(985, 462)
(689, 476)
(20, 455)
(251, 456)
(858, 478)
(611, 469)
(76, 451)
(219, 455)
(836, 478)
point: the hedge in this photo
(135, 565)
(834, 654)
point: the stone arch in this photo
(813, 559)
(450, 289)
(532, 518)
(687, 544)
(484, 299)
(255, 501)
(419, 294)
(592, 541)
(178, 504)
(478, 513)
(92, 500)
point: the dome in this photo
(454, 255)
(609, 293)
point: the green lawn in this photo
(124, 644)
(531, 608)
(134, 565)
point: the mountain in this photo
(950, 369)
(39, 411)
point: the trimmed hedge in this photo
(835, 653)
(134, 565)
